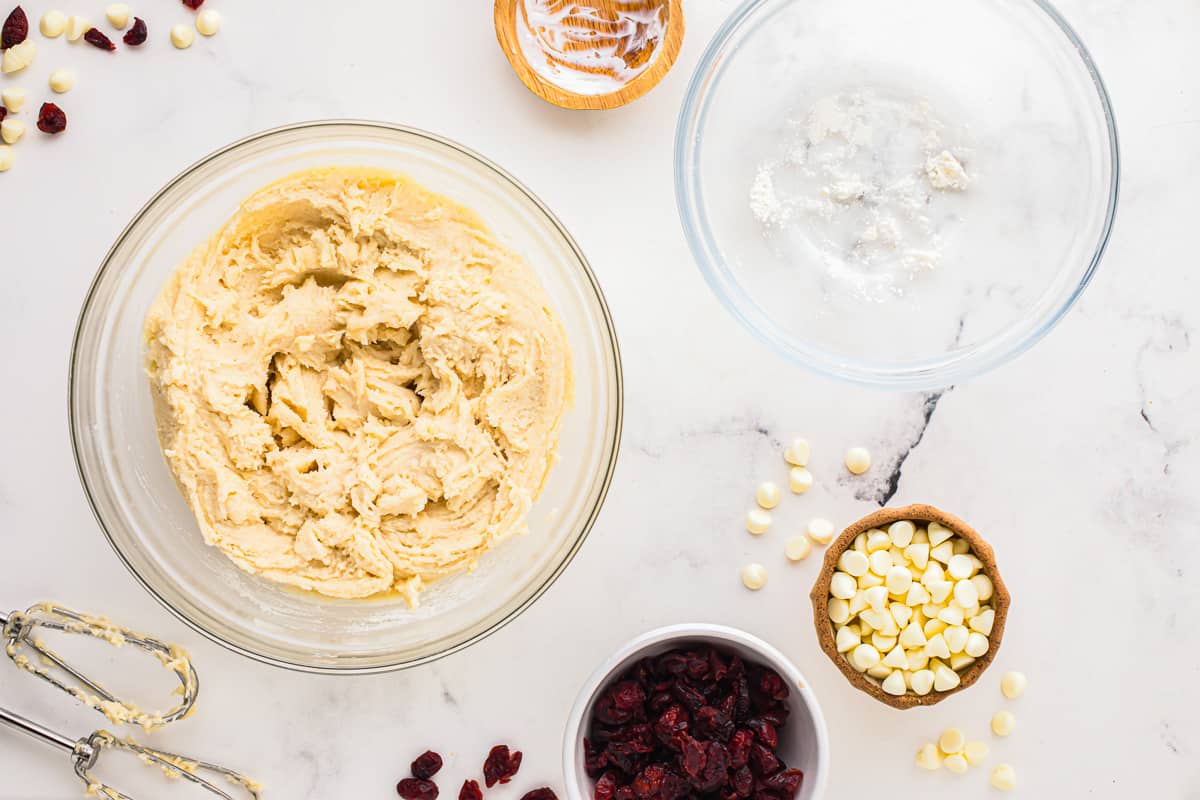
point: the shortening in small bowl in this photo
(901, 195)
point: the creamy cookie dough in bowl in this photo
(387, 390)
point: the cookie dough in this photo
(358, 389)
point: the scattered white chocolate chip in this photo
(928, 756)
(118, 14)
(956, 763)
(757, 521)
(62, 80)
(53, 23)
(951, 741)
(18, 57)
(6, 158)
(1013, 685)
(894, 684)
(1003, 723)
(182, 36)
(76, 27)
(975, 753)
(800, 480)
(797, 548)
(858, 460)
(754, 576)
(208, 22)
(11, 130)
(767, 494)
(13, 98)
(1004, 778)
(820, 530)
(797, 453)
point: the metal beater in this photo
(20, 631)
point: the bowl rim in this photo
(572, 736)
(925, 374)
(608, 330)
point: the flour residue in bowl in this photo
(861, 187)
(590, 50)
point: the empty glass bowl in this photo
(816, 168)
(152, 529)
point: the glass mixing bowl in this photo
(145, 518)
(965, 280)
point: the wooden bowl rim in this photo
(505, 19)
(879, 519)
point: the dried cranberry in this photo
(426, 765)
(193, 4)
(136, 35)
(690, 696)
(713, 723)
(771, 688)
(51, 119)
(626, 793)
(716, 769)
(693, 757)
(716, 665)
(787, 782)
(544, 793)
(739, 748)
(742, 781)
(765, 732)
(606, 787)
(470, 791)
(628, 696)
(763, 761)
(16, 28)
(670, 725)
(96, 38)
(500, 765)
(649, 781)
(594, 758)
(417, 789)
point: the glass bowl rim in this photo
(925, 374)
(608, 332)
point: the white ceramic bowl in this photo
(146, 519)
(803, 742)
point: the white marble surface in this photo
(1079, 460)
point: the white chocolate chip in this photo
(797, 548)
(869, 580)
(899, 580)
(754, 576)
(13, 98)
(960, 661)
(118, 14)
(877, 597)
(879, 672)
(936, 647)
(18, 57)
(883, 643)
(901, 533)
(858, 602)
(961, 546)
(983, 621)
(955, 763)
(842, 586)
(939, 534)
(865, 656)
(922, 682)
(945, 679)
(853, 563)
(918, 554)
(757, 521)
(182, 36)
(800, 480)
(860, 544)
(977, 645)
(901, 613)
(894, 684)
(959, 567)
(208, 22)
(76, 27)
(975, 753)
(956, 638)
(1004, 778)
(928, 756)
(839, 611)
(942, 552)
(877, 540)
(881, 562)
(11, 130)
(1003, 723)
(983, 587)
(933, 573)
(53, 23)
(6, 158)
(918, 661)
(896, 658)
(913, 636)
(820, 530)
(951, 741)
(966, 595)
(767, 494)
(797, 453)
(1013, 684)
(858, 460)
(62, 80)
(847, 638)
(917, 595)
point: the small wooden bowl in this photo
(881, 519)
(505, 17)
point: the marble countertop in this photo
(1079, 460)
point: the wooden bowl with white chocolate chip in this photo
(910, 605)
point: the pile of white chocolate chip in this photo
(911, 607)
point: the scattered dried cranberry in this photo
(51, 119)
(426, 765)
(694, 723)
(470, 791)
(500, 765)
(16, 28)
(417, 789)
(136, 35)
(193, 4)
(96, 38)
(544, 793)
